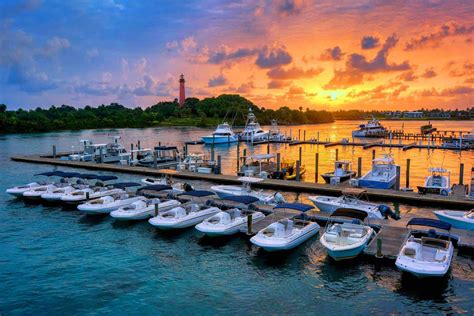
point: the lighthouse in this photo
(182, 95)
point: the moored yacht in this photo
(286, 233)
(426, 253)
(223, 134)
(439, 182)
(382, 176)
(373, 128)
(252, 131)
(342, 172)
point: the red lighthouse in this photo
(182, 95)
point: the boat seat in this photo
(440, 256)
(410, 252)
(434, 243)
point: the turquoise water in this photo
(56, 261)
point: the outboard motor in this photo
(386, 211)
(279, 198)
(187, 187)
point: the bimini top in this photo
(122, 185)
(349, 212)
(295, 206)
(51, 174)
(71, 175)
(244, 199)
(197, 193)
(429, 222)
(90, 176)
(105, 178)
(166, 148)
(156, 187)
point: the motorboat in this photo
(344, 239)
(426, 253)
(245, 189)
(439, 182)
(140, 153)
(464, 141)
(352, 198)
(342, 172)
(457, 219)
(382, 176)
(222, 135)
(36, 192)
(275, 133)
(286, 233)
(86, 151)
(194, 161)
(175, 186)
(109, 203)
(162, 155)
(373, 128)
(288, 171)
(260, 165)
(19, 190)
(232, 220)
(98, 190)
(185, 215)
(252, 131)
(54, 194)
(146, 208)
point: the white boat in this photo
(54, 194)
(426, 253)
(92, 192)
(36, 192)
(343, 239)
(252, 131)
(185, 215)
(176, 187)
(373, 128)
(245, 189)
(382, 176)
(194, 161)
(457, 219)
(352, 198)
(222, 135)
(275, 133)
(168, 155)
(19, 190)
(342, 172)
(145, 209)
(260, 165)
(287, 233)
(439, 182)
(233, 220)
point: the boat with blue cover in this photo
(382, 176)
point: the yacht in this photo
(233, 220)
(457, 219)
(352, 198)
(19, 190)
(342, 172)
(252, 131)
(382, 176)
(344, 239)
(437, 183)
(260, 165)
(373, 128)
(187, 214)
(275, 133)
(222, 135)
(286, 233)
(426, 253)
(245, 189)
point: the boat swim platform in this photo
(413, 198)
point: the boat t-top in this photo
(439, 182)
(342, 172)
(382, 176)
(223, 134)
(346, 235)
(252, 131)
(372, 129)
(426, 253)
(287, 233)
(275, 133)
(261, 165)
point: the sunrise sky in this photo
(317, 54)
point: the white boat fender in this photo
(386, 211)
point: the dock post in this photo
(461, 173)
(249, 224)
(304, 135)
(291, 135)
(54, 151)
(212, 149)
(373, 154)
(185, 150)
(318, 137)
(155, 158)
(139, 145)
(397, 180)
(359, 167)
(278, 162)
(316, 168)
(238, 156)
(408, 173)
(299, 135)
(379, 253)
(337, 154)
(156, 209)
(298, 164)
(300, 154)
(131, 151)
(245, 156)
(218, 169)
(101, 152)
(87, 196)
(268, 143)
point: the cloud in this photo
(140, 65)
(106, 77)
(369, 42)
(278, 84)
(92, 53)
(466, 70)
(171, 45)
(217, 81)
(408, 76)
(280, 73)
(224, 54)
(29, 79)
(289, 7)
(334, 53)
(246, 88)
(434, 39)
(429, 73)
(344, 79)
(54, 46)
(448, 92)
(294, 90)
(379, 63)
(273, 57)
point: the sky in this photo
(331, 55)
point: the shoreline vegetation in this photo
(207, 112)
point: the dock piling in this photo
(304, 135)
(379, 253)
(155, 159)
(54, 151)
(397, 181)
(337, 154)
(245, 156)
(238, 157)
(408, 173)
(300, 154)
(101, 152)
(299, 135)
(298, 167)
(359, 167)
(461, 173)
(87, 196)
(373, 154)
(249, 224)
(131, 151)
(156, 209)
(139, 145)
(268, 143)
(316, 168)
(278, 162)
(218, 169)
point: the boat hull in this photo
(282, 244)
(181, 223)
(455, 221)
(374, 184)
(327, 177)
(219, 139)
(339, 255)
